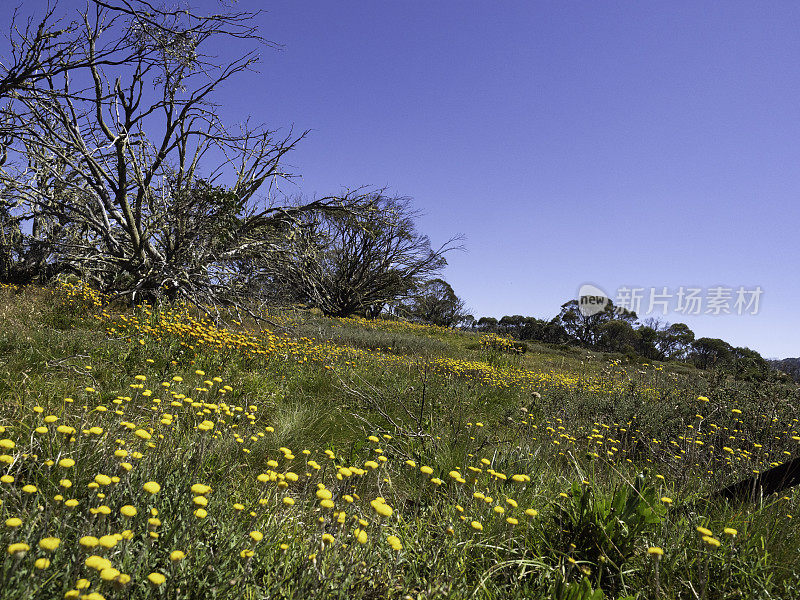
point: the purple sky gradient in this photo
(641, 144)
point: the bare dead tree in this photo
(434, 302)
(116, 159)
(36, 48)
(350, 261)
(49, 44)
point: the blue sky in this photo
(643, 144)
(639, 144)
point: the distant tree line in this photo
(620, 331)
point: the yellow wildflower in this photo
(49, 543)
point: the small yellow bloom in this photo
(361, 536)
(381, 507)
(18, 549)
(109, 574)
(49, 543)
(200, 489)
(151, 487)
(156, 578)
(256, 536)
(176, 556)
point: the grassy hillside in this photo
(153, 454)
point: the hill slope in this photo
(153, 453)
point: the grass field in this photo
(153, 454)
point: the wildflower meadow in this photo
(155, 453)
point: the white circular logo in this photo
(591, 300)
